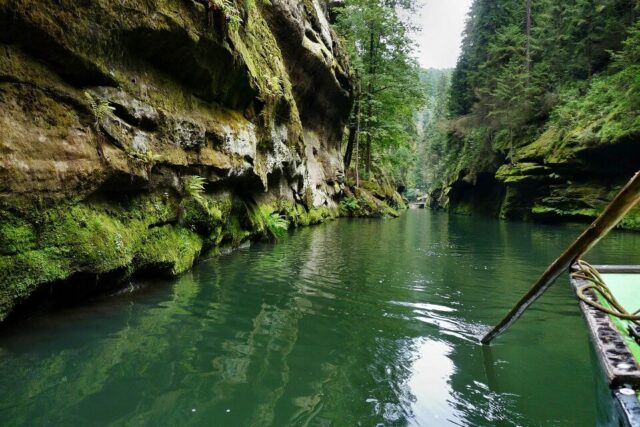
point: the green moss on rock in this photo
(16, 234)
(202, 217)
(632, 220)
(91, 239)
(169, 249)
(20, 274)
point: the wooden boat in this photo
(615, 339)
(608, 297)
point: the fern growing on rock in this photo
(99, 107)
(349, 205)
(147, 158)
(194, 187)
(276, 226)
(270, 224)
(232, 14)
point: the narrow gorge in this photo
(541, 117)
(319, 213)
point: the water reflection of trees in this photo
(156, 364)
(332, 325)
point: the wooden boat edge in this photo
(606, 268)
(612, 351)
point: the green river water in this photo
(353, 322)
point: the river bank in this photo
(73, 252)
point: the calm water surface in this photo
(362, 322)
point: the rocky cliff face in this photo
(114, 114)
(576, 188)
(570, 170)
(564, 175)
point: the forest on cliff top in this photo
(538, 120)
(541, 116)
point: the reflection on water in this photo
(349, 323)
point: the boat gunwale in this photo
(606, 268)
(629, 406)
(612, 350)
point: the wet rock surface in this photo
(561, 176)
(111, 113)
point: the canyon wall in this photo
(137, 136)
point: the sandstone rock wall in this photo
(567, 173)
(559, 177)
(109, 109)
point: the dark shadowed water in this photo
(355, 322)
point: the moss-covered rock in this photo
(168, 249)
(568, 165)
(106, 107)
(140, 136)
(16, 234)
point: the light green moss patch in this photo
(170, 249)
(521, 172)
(91, 239)
(20, 274)
(632, 220)
(16, 234)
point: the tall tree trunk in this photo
(370, 91)
(354, 130)
(367, 144)
(357, 162)
(368, 158)
(589, 44)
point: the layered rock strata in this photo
(137, 136)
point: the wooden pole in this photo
(628, 197)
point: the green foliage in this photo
(630, 54)
(377, 38)
(271, 225)
(237, 16)
(194, 187)
(349, 205)
(276, 225)
(606, 108)
(431, 143)
(201, 216)
(543, 91)
(567, 41)
(99, 107)
(233, 15)
(148, 157)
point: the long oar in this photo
(628, 197)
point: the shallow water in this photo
(354, 322)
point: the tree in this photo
(389, 94)
(522, 64)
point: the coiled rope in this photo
(588, 273)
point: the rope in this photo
(590, 274)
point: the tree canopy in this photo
(521, 63)
(382, 133)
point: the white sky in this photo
(442, 23)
